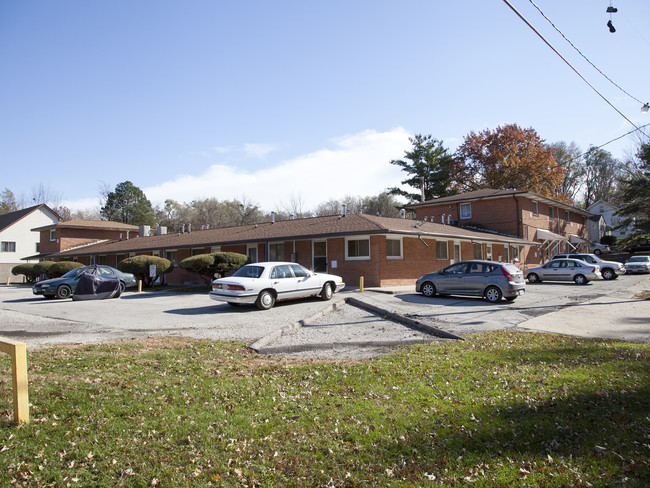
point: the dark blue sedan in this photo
(65, 286)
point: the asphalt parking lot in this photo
(318, 325)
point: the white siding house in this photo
(17, 239)
(612, 220)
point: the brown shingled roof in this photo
(90, 224)
(307, 228)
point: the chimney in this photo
(189, 228)
(345, 210)
(442, 220)
(273, 217)
(183, 229)
(402, 212)
(144, 230)
(161, 230)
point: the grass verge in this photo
(501, 409)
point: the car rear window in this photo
(511, 268)
(249, 272)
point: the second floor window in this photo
(8, 246)
(535, 208)
(465, 210)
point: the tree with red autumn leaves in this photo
(508, 158)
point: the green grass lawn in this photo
(501, 409)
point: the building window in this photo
(394, 248)
(52, 235)
(566, 216)
(8, 246)
(535, 208)
(465, 210)
(515, 253)
(442, 250)
(276, 251)
(550, 212)
(358, 249)
(488, 252)
(197, 250)
(251, 252)
(214, 249)
(172, 256)
(478, 251)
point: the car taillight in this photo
(508, 276)
(235, 287)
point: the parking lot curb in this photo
(404, 320)
(297, 348)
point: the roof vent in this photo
(345, 210)
(145, 230)
(402, 213)
(273, 217)
(161, 230)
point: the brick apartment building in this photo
(554, 225)
(60, 236)
(385, 251)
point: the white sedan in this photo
(265, 283)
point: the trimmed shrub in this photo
(62, 267)
(43, 267)
(27, 270)
(139, 266)
(207, 265)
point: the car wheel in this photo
(265, 300)
(122, 287)
(326, 293)
(608, 274)
(493, 294)
(597, 252)
(63, 291)
(533, 278)
(580, 279)
(428, 289)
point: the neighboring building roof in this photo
(11, 218)
(298, 229)
(489, 193)
(90, 224)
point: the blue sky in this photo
(309, 101)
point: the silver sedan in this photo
(265, 283)
(564, 270)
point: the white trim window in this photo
(357, 248)
(8, 246)
(276, 251)
(52, 235)
(465, 210)
(442, 250)
(214, 249)
(535, 208)
(394, 248)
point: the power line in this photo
(571, 66)
(580, 53)
(609, 142)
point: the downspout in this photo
(422, 240)
(518, 217)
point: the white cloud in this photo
(355, 164)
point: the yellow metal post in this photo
(361, 284)
(18, 353)
(139, 286)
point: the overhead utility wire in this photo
(580, 53)
(609, 142)
(570, 66)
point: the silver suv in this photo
(487, 279)
(608, 269)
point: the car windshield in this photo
(639, 259)
(249, 272)
(74, 272)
